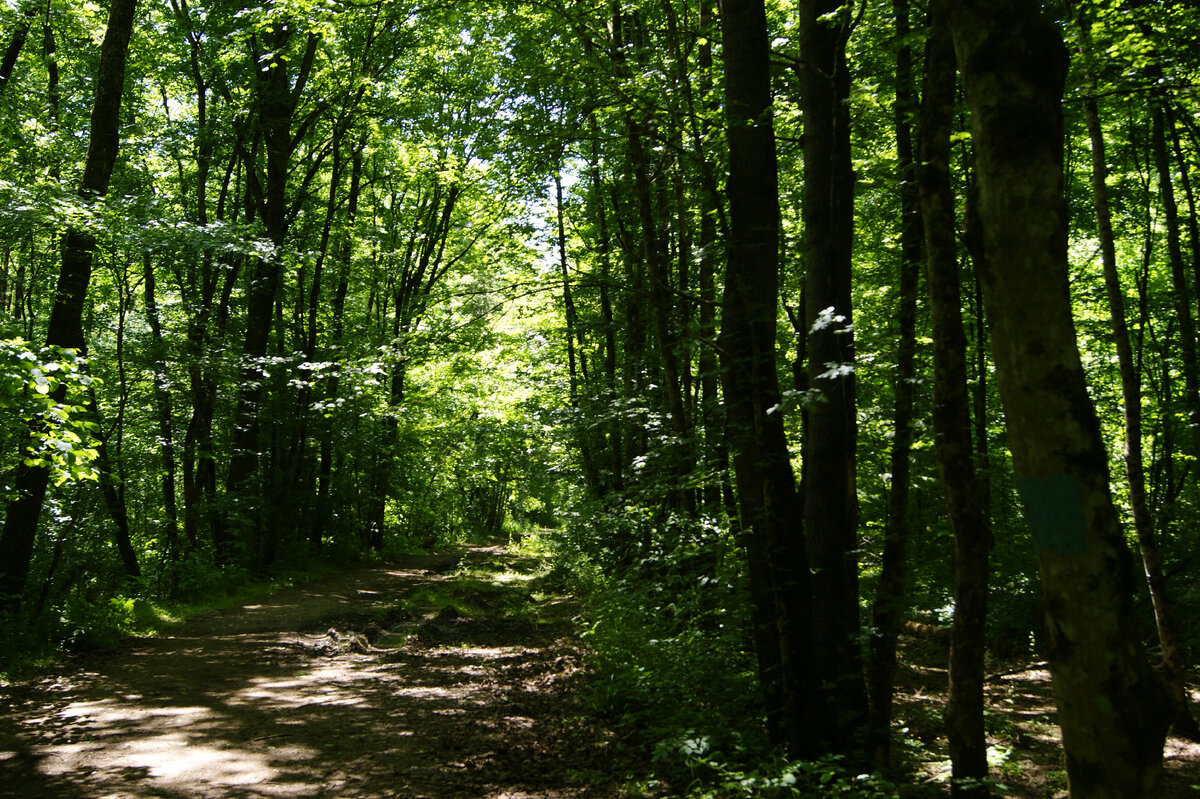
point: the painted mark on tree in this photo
(1054, 510)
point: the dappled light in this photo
(242, 711)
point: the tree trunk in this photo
(775, 551)
(829, 480)
(889, 598)
(337, 332)
(1173, 669)
(278, 96)
(66, 316)
(952, 424)
(162, 407)
(1112, 708)
(13, 51)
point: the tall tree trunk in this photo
(278, 96)
(337, 332)
(577, 374)
(952, 423)
(15, 44)
(829, 480)
(889, 597)
(1112, 708)
(775, 551)
(113, 492)
(661, 316)
(1182, 291)
(613, 470)
(66, 316)
(162, 408)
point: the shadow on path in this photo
(264, 702)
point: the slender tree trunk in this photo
(889, 598)
(337, 332)
(591, 468)
(614, 479)
(162, 407)
(1173, 670)
(1182, 291)
(775, 551)
(111, 489)
(1112, 708)
(952, 424)
(830, 496)
(661, 308)
(278, 96)
(66, 316)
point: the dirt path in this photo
(354, 686)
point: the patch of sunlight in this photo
(511, 577)
(938, 770)
(434, 692)
(110, 711)
(496, 652)
(172, 758)
(298, 692)
(997, 755)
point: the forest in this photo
(804, 337)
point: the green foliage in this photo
(42, 396)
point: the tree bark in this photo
(1112, 708)
(162, 407)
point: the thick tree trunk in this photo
(952, 424)
(66, 316)
(1112, 708)
(829, 480)
(13, 51)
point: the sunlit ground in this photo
(251, 714)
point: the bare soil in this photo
(348, 687)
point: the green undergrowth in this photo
(669, 631)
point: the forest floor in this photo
(453, 676)
(1025, 757)
(401, 680)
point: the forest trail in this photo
(363, 684)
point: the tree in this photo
(1013, 65)
(775, 551)
(66, 318)
(952, 422)
(829, 480)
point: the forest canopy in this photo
(797, 327)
